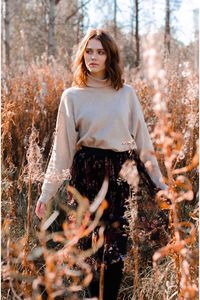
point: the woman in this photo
(100, 125)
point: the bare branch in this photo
(75, 11)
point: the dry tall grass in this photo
(30, 101)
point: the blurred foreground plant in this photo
(184, 233)
(170, 104)
(65, 268)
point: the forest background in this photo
(159, 45)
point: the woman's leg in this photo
(93, 289)
(112, 280)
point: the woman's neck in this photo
(97, 82)
(99, 75)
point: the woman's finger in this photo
(40, 209)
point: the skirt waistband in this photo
(103, 152)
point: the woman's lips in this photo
(93, 64)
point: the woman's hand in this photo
(40, 209)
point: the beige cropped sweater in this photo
(101, 117)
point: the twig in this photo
(101, 287)
(76, 10)
(29, 209)
(13, 291)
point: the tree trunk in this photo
(137, 39)
(167, 27)
(196, 39)
(78, 31)
(132, 20)
(82, 19)
(51, 29)
(6, 33)
(115, 19)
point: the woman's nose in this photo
(93, 56)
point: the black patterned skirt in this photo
(90, 165)
(89, 168)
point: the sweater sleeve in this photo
(144, 145)
(63, 152)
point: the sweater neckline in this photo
(96, 82)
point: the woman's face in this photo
(95, 58)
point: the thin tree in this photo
(6, 32)
(81, 20)
(196, 38)
(131, 42)
(51, 29)
(115, 19)
(167, 36)
(137, 38)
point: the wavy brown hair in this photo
(113, 68)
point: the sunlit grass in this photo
(30, 101)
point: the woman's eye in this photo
(101, 52)
(90, 51)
